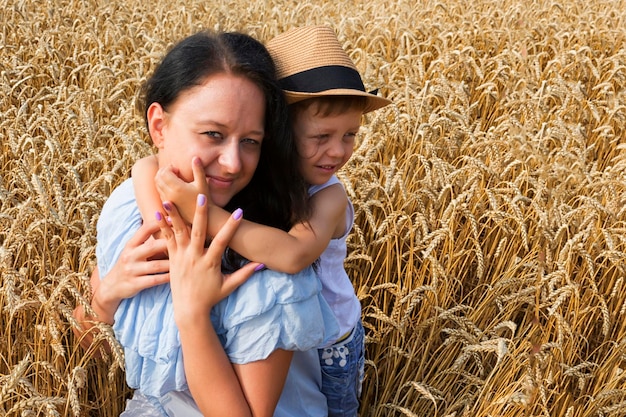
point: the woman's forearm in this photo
(210, 375)
(103, 312)
(251, 389)
(103, 306)
(197, 285)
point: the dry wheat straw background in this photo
(489, 251)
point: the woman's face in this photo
(221, 122)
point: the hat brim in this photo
(373, 102)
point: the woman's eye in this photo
(250, 141)
(213, 134)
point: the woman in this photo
(214, 97)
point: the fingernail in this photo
(259, 267)
(158, 216)
(201, 200)
(237, 214)
(167, 206)
(168, 219)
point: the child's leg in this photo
(342, 373)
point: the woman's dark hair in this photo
(277, 194)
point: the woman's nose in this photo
(230, 157)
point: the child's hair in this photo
(329, 105)
(277, 194)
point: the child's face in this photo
(324, 143)
(220, 121)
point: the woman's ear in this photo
(156, 122)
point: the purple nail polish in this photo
(259, 267)
(158, 216)
(237, 214)
(167, 206)
(201, 200)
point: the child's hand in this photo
(183, 194)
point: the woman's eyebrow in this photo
(220, 125)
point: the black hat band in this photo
(326, 78)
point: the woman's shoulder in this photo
(122, 196)
(120, 211)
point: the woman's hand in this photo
(139, 267)
(198, 284)
(196, 276)
(174, 189)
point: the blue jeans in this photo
(342, 373)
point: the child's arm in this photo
(288, 252)
(143, 173)
(292, 251)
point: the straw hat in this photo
(311, 63)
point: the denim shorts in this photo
(342, 373)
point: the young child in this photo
(327, 100)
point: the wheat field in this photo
(489, 251)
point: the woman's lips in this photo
(220, 182)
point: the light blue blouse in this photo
(270, 311)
